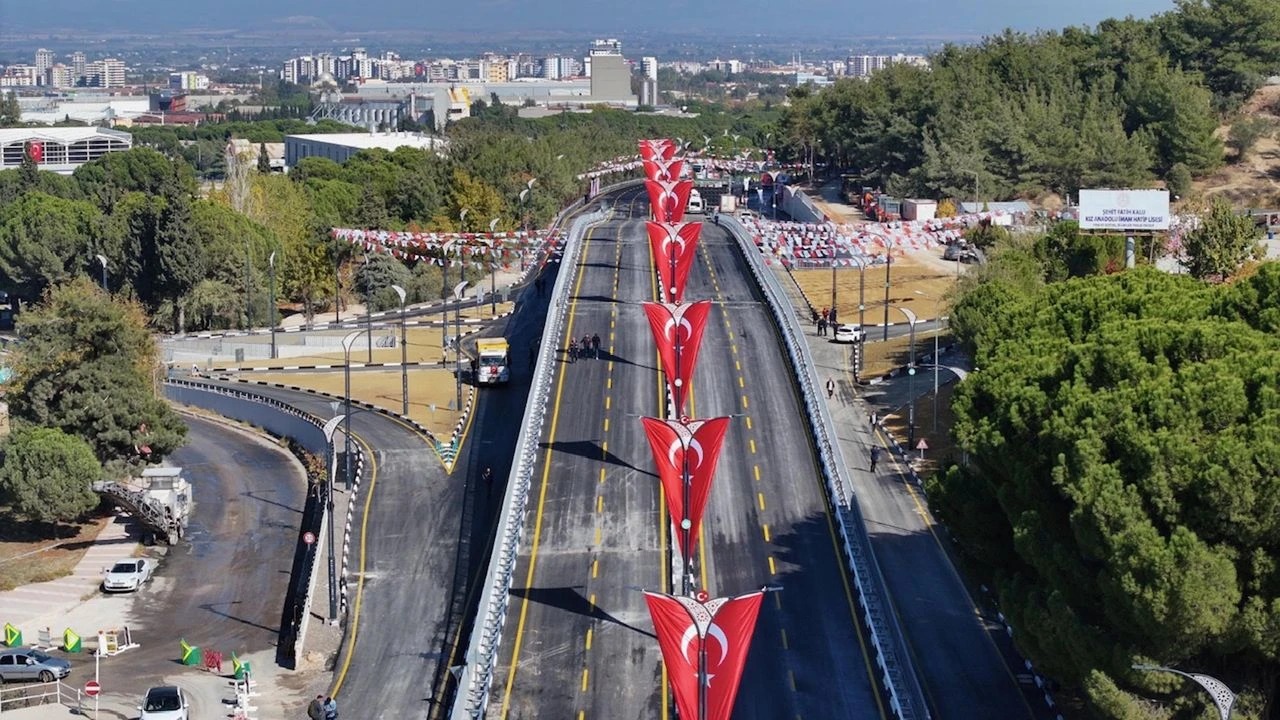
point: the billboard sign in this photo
(1124, 210)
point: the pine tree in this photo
(264, 160)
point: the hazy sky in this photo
(825, 18)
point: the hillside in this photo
(1256, 181)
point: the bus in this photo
(494, 362)
(695, 202)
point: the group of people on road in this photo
(590, 347)
(824, 320)
(322, 708)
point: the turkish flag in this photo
(664, 170)
(35, 151)
(677, 331)
(668, 199)
(678, 447)
(660, 148)
(704, 644)
(674, 248)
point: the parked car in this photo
(848, 334)
(128, 575)
(31, 664)
(166, 702)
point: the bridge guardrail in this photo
(906, 696)
(472, 696)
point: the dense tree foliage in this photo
(1221, 242)
(1120, 105)
(47, 475)
(1123, 489)
(88, 366)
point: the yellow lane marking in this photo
(745, 404)
(597, 536)
(595, 569)
(601, 475)
(785, 645)
(737, 365)
(760, 498)
(364, 526)
(542, 501)
(741, 382)
(777, 600)
(754, 468)
(773, 568)
(766, 533)
(748, 422)
(606, 424)
(585, 672)
(599, 503)
(589, 637)
(608, 400)
(791, 680)
(751, 443)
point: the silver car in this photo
(31, 664)
(166, 702)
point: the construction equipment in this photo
(160, 498)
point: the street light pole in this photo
(102, 260)
(493, 271)
(888, 263)
(368, 302)
(1223, 698)
(404, 356)
(271, 308)
(862, 290)
(911, 378)
(457, 338)
(347, 342)
(329, 429)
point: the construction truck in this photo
(159, 498)
(493, 364)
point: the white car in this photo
(166, 702)
(848, 334)
(128, 575)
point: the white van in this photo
(695, 203)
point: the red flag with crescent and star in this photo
(668, 199)
(35, 151)
(674, 248)
(659, 148)
(664, 170)
(704, 644)
(692, 445)
(677, 331)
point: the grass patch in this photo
(941, 445)
(914, 285)
(31, 553)
(882, 356)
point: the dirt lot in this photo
(940, 443)
(919, 282)
(25, 559)
(881, 357)
(427, 387)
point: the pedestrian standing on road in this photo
(330, 709)
(826, 314)
(595, 345)
(831, 388)
(831, 319)
(875, 457)
(814, 312)
(315, 709)
(586, 346)
(822, 327)
(573, 350)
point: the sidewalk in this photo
(38, 605)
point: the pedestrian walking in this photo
(586, 345)
(814, 312)
(831, 388)
(826, 314)
(315, 709)
(822, 327)
(875, 457)
(831, 319)
(573, 350)
(330, 709)
(595, 345)
(487, 477)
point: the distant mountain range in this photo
(813, 18)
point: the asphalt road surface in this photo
(221, 587)
(404, 548)
(578, 642)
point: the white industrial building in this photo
(340, 146)
(60, 150)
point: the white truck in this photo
(494, 361)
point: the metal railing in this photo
(17, 697)
(472, 696)
(906, 697)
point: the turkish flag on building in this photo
(674, 248)
(35, 151)
(704, 646)
(664, 170)
(691, 446)
(668, 199)
(677, 331)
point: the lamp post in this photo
(888, 263)
(347, 342)
(102, 260)
(493, 270)
(1223, 698)
(862, 287)
(329, 429)
(271, 308)
(404, 356)
(457, 337)
(911, 378)
(368, 302)
(937, 330)
(248, 287)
